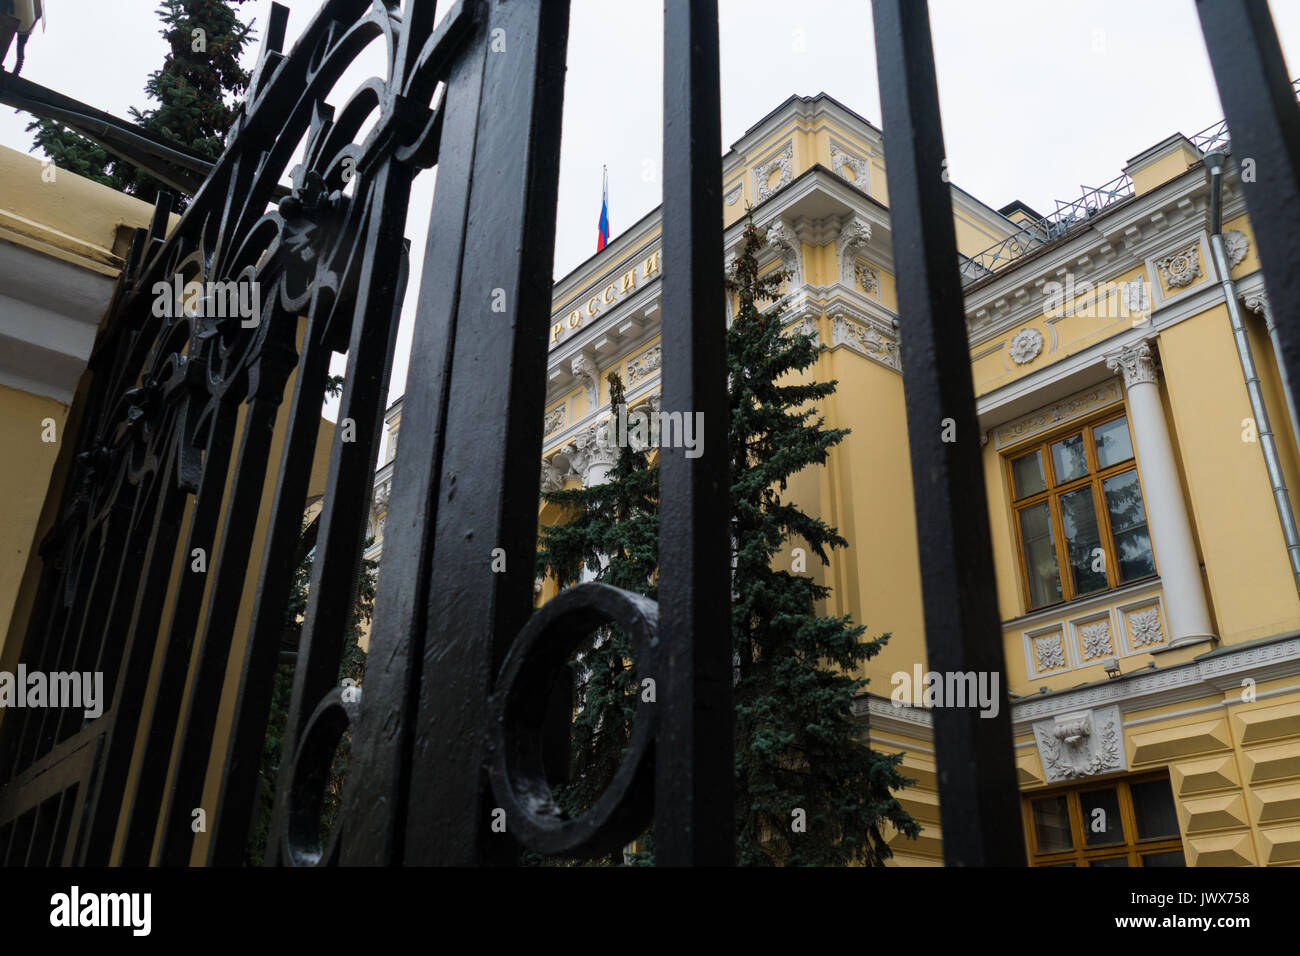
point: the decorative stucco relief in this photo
(1025, 346)
(783, 161)
(866, 340)
(1181, 268)
(1081, 744)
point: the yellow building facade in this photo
(1137, 495)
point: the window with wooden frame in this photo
(1081, 526)
(1130, 822)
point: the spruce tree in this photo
(798, 745)
(197, 92)
(611, 532)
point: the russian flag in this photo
(602, 234)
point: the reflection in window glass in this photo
(1028, 472)
(1052, 824)
(1069, 459)
(1117, 823)
(1087, 560)
(1040, 555)
(1153, 806)
(1113, 443)
(1128, 526)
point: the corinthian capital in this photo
(1135, 363)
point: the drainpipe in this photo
(1267, 443)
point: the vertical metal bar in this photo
(340, 539)
(488, 499)
(236, 799)
(1263, 119)
(131, 624)
(144, 793)
(374, 804)
(695, 812)
(978, 796)
(206, 650)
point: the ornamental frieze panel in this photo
(1046, 651)
(1144, 628)
(1180, 682)
(866, 340)
(554, 421)
(1182, 267)
(849, 165)
(868, 279)
(771, 175)
(644, 365)
(806, 327)
(1059, 413)
(1096, 640)
(589, 448)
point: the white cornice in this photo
(1216, 672)
(1123, 238)
(49, 313)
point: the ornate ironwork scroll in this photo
(159, 481)
(174, 489)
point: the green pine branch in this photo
(197, 92)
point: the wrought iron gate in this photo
(177, 427)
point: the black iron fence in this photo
(159, 520)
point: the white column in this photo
(1167, 518)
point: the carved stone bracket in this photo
(786, 245)
(1081, 744)
(853, 238)
(1258, 302)
(584, 370)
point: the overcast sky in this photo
(1038, 97)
